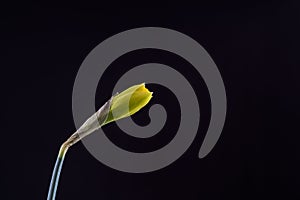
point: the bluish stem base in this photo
(56, 172)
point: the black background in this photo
(256, 48)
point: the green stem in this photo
(56, 171)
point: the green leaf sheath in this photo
(56, 172)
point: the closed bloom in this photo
(119, 106)
(128, 102)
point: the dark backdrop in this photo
(256, 48)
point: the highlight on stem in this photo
(117, 107)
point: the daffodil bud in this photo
(128, 102)
(119, 106)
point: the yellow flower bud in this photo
(119, 106)
(128, 102)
